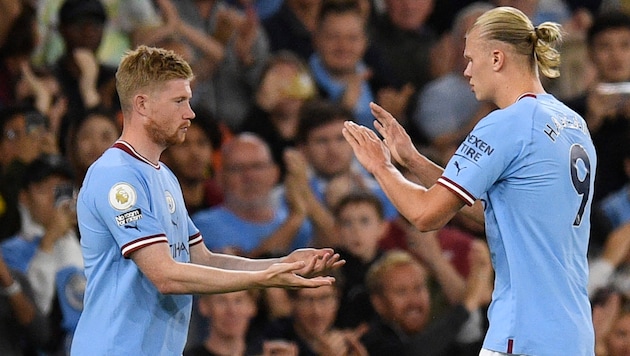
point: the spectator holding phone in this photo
(605, 105)
(46, 249)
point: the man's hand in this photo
(170, 14)
(65, 221)
(317, 262)
(89, 68)
(394, 135)
(371, 152)
(338, 342)
(41, 93)
(270, 92)
(246, 35)
(228, 21)
(289, 275)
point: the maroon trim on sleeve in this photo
(457, 189)
(195, 239)
(137, 244)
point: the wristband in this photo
(11, 290)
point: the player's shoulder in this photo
(113, 168)
(500, 121)
(116, 162)
(525, 111)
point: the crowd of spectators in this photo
(265, 167)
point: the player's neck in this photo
(144, 146)
(514, 92)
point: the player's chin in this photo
(177, 139)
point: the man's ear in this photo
(141, 104)
(498, 59)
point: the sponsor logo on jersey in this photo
(459, 167)
(129, 218)
(474, 148)
(178, 249)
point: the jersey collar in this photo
(125, 146)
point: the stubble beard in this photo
(161, 137)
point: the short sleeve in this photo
(122, 204)
(485, 155)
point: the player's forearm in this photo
(428, 173)
(425, 170)
(410, 199)
(187, 278)
(231, 262)
(207, 272)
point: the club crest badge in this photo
(122, 196)
(170, 202)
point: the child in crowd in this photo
(360, 225)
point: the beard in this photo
(162, 137)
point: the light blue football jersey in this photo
(125, 204)
(533, 165)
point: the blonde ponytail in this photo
(512, 26)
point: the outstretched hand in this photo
(394, 135)
(288, 275)
(317, 262)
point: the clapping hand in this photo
(368, 148)
(394, 135)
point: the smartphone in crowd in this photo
(65, 195)
(34, 120)
(614, 88)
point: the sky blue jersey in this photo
(532, 165)
(127, 203)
